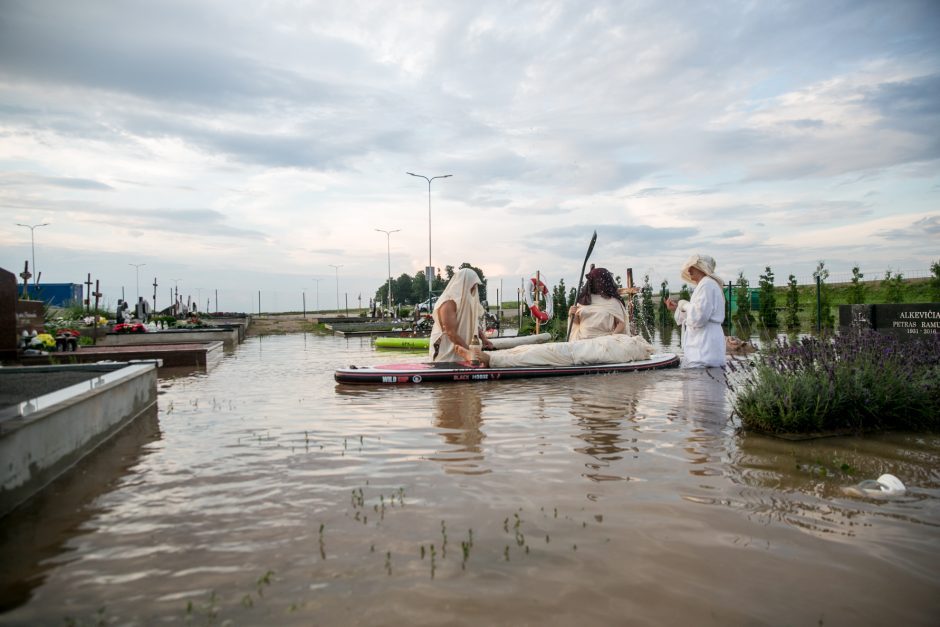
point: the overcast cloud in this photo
(248, 146)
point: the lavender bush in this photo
(856, 381)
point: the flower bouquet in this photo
(42, 341)
(130, 327)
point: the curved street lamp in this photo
(337, 283)
(388, 239)
(137, 267)
(32, 245)
(429, 271)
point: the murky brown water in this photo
(263, 493)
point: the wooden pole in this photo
(536, 291)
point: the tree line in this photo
(411, 290)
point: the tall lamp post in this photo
(429, 271)
(32, 244)
(337, 283)
(388, 241)
(137, 267)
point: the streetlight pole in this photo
(388, 240)
(337, 283)
(429, 271)
(137, 267)
(32, 245)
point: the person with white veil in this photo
(457, 316)
(703, 339)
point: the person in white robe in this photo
(604, 349)
(703, 340)
(457, 315)
(599, 310)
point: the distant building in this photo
(59, 294)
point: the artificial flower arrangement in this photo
(43, 341)
(89, 321)
(130, 327)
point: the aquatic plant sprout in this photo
(853, 382)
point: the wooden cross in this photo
(88, 299)
(154, 293)
(25, 275)
(97, 294)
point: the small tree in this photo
(647, 311)
(826, 319)
(857, 291)
(560, 301)
(742, 316)
(768, 300)
(935, 281)
(793, 304)
(894, 287)
(665, 316)
(684, 293)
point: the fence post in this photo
(728, 318)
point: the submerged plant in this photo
(857, 381)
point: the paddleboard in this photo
(461, 372)
(402, 342)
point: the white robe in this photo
(703, 340)
(598, 318)
(606, 349)
(469, 312)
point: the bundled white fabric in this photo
(469, 313)
(703, 340)
(606, 349)
(598, 318)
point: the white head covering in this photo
(704, 263)
(469, 309)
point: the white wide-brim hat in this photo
(704, 263)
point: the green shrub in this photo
(857, 381)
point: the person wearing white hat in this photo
(703, 340)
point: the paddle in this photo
(581, 277)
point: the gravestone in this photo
(8, 337)
(904, 322)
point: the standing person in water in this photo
(703, 339)
(457, 316)
(599, 309)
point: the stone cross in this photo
(88, 299)
(154, 293)
(25, 275)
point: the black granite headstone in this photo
(7, 315)
(905, 322)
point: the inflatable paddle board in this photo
(460, 372)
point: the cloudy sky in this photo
(245, 146)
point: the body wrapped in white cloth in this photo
(606, 349)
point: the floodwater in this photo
(265, 493)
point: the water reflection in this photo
(64, 508)
(602, 411)
(665, 334)
(458, 413)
